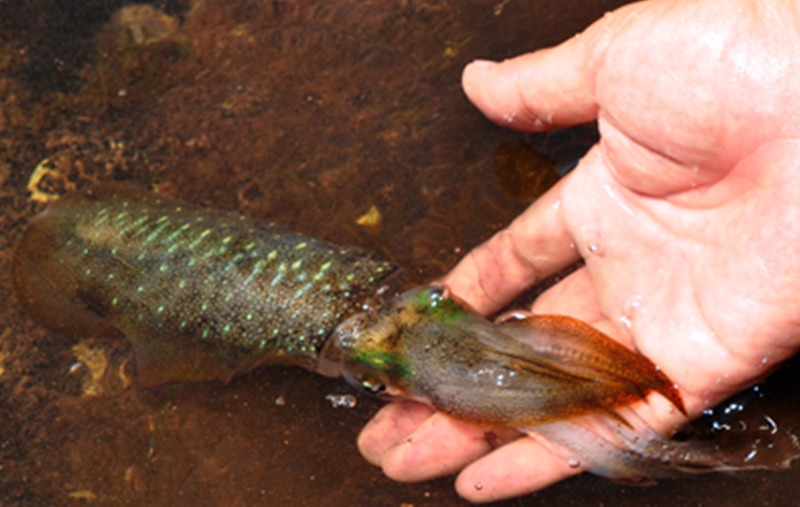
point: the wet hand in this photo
(687, 214)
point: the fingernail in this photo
(482, 64)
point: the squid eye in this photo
(365, 383)
(437, 291)
(372, 386)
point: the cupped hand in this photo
(687, 214)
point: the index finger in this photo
(534, 246)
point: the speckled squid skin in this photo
(426, 345)
(202, 294)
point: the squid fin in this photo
(634, 453)
(159, 364)
(582, 350)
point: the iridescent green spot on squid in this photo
(199, 239)
(231, 264)
(302, 290)
(280, 275)
(391, 363)
(322, 270)
(300, 246)
(209, 253)
(173, 235)
(164, 268)
(257, 268)
(134, 225)
(221, 250)
(162, 224)
(431, 302)
(101, 217)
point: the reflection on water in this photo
(309, 113)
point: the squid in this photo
(206, 295)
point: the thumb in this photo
(545, 89)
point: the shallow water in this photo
(309, 114)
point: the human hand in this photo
(687, 214)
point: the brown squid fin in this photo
(583, 351)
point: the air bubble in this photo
(342, 400)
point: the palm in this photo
(686, 214)
(708, 292)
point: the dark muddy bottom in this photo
(309, 114)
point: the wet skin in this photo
(685, 214)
